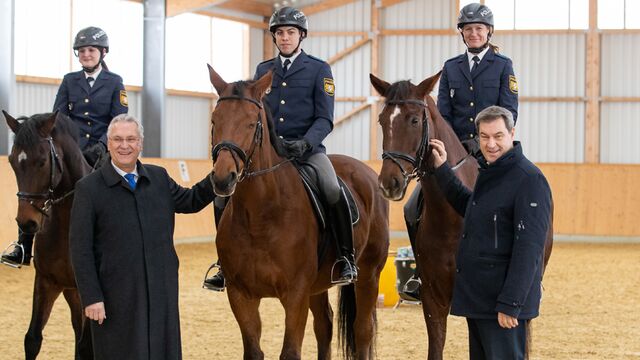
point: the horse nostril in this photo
(29, 227)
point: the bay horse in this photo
(409, 119)
(47, 162)
(269, 242)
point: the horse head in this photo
(238, 124)
(37, 162)
(406, 121)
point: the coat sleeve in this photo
(456, 193)
(119, 103)
(531, 216)
(323, 94)
(444, 101)
(62, 98)
(509, 90)
(194, 199)
(81, 245)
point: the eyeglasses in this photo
(130, 140)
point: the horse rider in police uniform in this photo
(91, 97)
(301, 100)
(470, 82)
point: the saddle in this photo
(309, 177)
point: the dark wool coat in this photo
(500, 256)
(122, 254)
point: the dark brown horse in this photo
(409, 119)
(269, 242)
(47, 162)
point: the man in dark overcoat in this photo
(499, 262)
(122, 251)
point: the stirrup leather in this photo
(215, 265)
(6, 251)
(339, 281)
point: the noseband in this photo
(419, 168)
(48, 197)
(236, 151)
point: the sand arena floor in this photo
(590, 310)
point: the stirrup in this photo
(6, 251)
(215, 265)
(409, 289)
(339, 281)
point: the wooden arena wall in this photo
(590, 199)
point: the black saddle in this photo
(310, 180)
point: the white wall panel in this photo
(419, 14)
(355, 16)
(619, 133)
(620, 71)
(351, 137)
(34, 98)
(186, 132)
(552, 132)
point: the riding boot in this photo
(343, 232)
(21, 254)
(217, 281)
(412, 287)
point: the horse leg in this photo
(435, 307)
(81, 328)
(44, 295)
(365, 321)
(296, 308)
(246, 312)
(322, 324)
(437, 332)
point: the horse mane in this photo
(239, 89)
(443, 130)
(400, 90)
(29, 137)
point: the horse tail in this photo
(346, 318)
(527, 346)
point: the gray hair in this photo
(126, 118)
(495, 112)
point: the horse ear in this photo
(47, 126)
(261, 85)
(216, 80)
(425, 87)
(380, 85)
(14, 125)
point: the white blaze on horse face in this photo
(394, 115)
(22, 156)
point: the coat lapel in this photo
(100, 81)
(81, 81)
(463, 64)
(485, 63)
(298, 65)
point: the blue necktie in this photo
(476, 61)
(131, 179)
(285, 66)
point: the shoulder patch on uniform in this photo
(513, 84)
(123, 98)
(329, 87)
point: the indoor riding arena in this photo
(577, 87)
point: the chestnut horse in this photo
(409, 119)
(47, 162)
(269, 241)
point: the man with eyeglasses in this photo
(122, 253)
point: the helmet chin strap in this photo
(90, 70)
(476, 50)
(302, 36)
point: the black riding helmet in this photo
(92, 36)
(288, 16)
(476, 13)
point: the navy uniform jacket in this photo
(301, 101)
(500, 256)
(462, 96)
(91, 107)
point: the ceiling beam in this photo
(324, 6)
(177, 7)
(248, 6)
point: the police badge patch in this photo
(123, 98)
(513, 84)
(329, 88)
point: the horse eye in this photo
(252, 125)
(41, 162)
(415, 120)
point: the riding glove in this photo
(296, 148)
(93, 153)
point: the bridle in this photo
(419, 168)
(48, 197)
(237, 153)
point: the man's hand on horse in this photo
(93, 152)
(96, 312)
(439, 153)
(296, 148)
